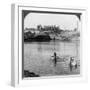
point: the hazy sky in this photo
(64, 21)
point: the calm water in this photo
(37, 57)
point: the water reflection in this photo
(62, 48)
(37, 54)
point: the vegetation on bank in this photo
(48, 33)
(30, 74)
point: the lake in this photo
(38, 57)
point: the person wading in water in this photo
(55, 59)
(72, 63)
(55, 55)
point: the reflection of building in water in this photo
(77, 49)
(71, 49)
(39, 47)
(35, 52)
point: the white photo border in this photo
(16, 77)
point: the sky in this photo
(64, 21)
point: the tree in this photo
(39, 27)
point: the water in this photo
(37, 57)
